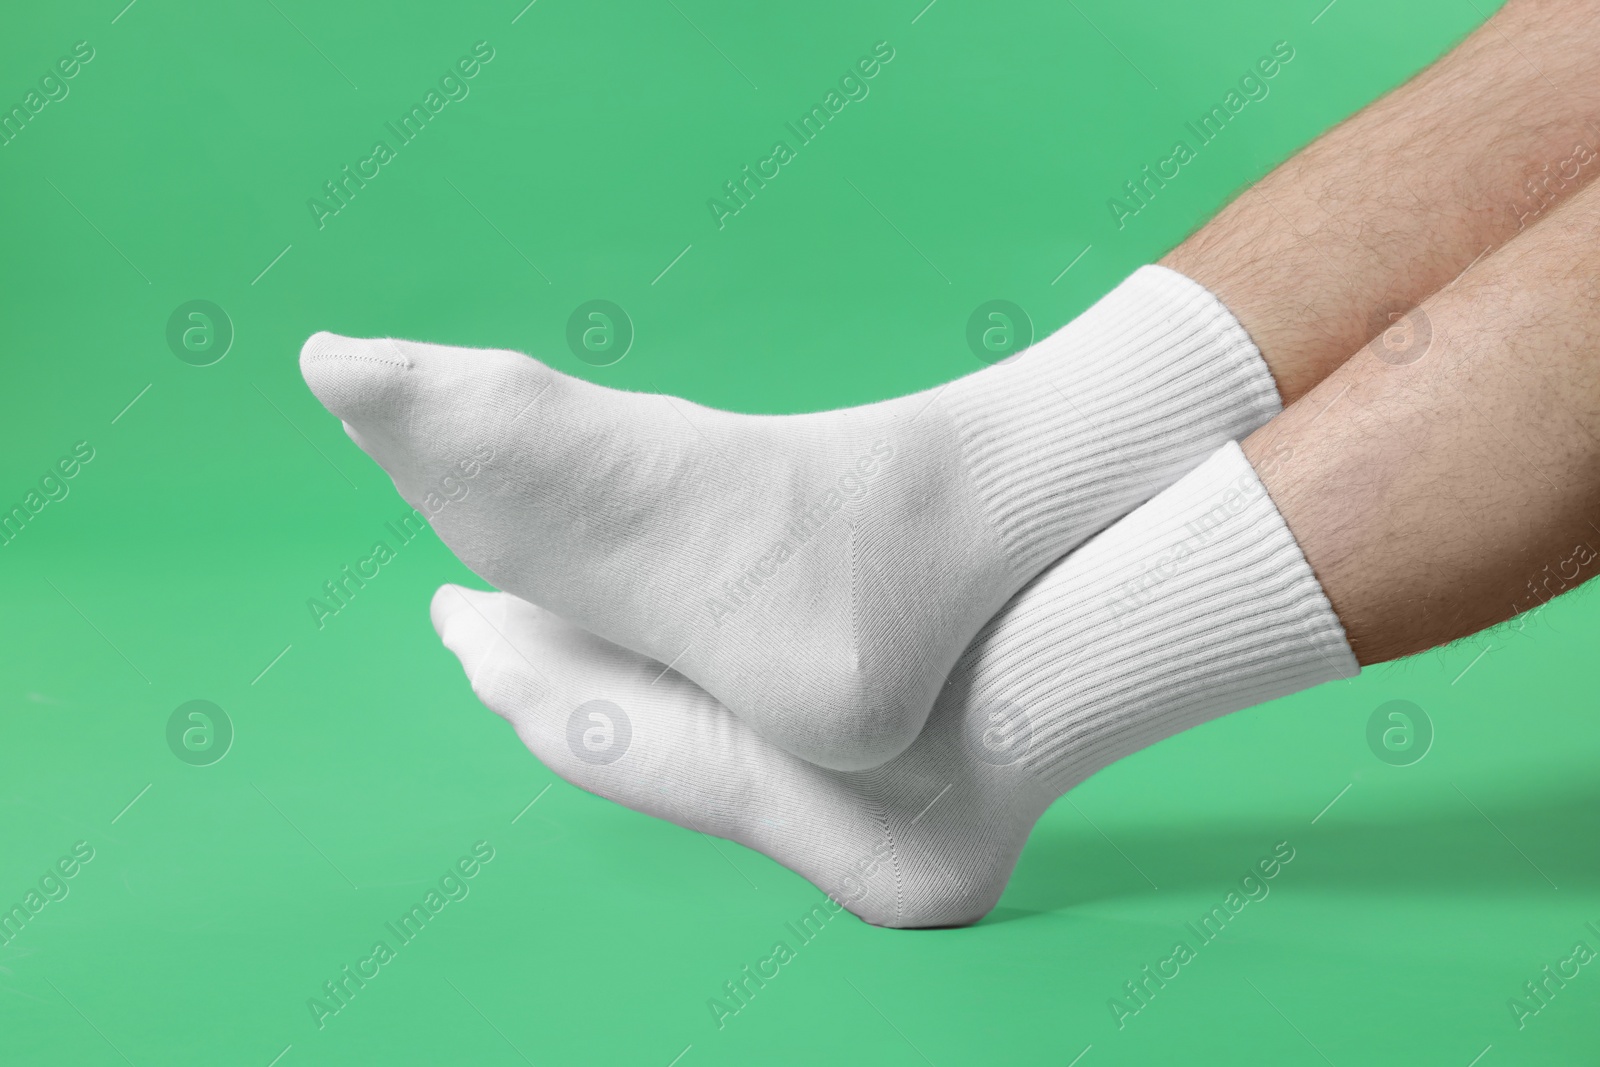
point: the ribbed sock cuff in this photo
(1195, 605)
(1108, 410)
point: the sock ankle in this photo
(1108, 411)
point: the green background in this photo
(979, 167)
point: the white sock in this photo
(819, 574)
(1195, 605)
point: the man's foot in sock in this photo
(1091, 662)
(818, 574)
(621, 726)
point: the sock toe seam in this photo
(315, 356)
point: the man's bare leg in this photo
(1389, 206)
(1439, 497)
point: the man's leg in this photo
(1437, 497)
(821, 573)
(1425, 496)
(1318, 257)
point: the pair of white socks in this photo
(783, 629)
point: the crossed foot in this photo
(768, 608)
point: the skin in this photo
(1385, 209)
(1443, 487)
